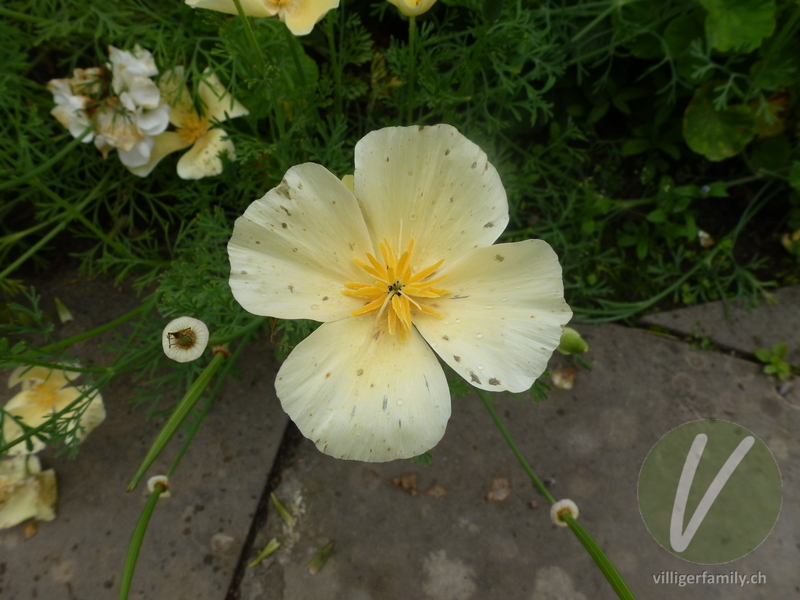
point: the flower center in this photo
(45, 396)
(397, 288)
(183, 339)
(193, 127)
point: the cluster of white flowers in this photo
(120, 106)
(123, 100)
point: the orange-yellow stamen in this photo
(193, 127)
(397, 288)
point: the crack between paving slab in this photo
(287, 450)
(674, 334)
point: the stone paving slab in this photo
(590, 442)
(739, 329)
(196, 536)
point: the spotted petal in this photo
(292, 250)
(362, 394)
(432, 184)
(504, 315)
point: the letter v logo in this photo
(679, 539)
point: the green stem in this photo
(55, 230)
(136, 542)
(224, 339)
(337, 74)
(292, 42)
(77, 215)
(487, 402)
(251, 38)
(55, 366)
(49, 163)
(145, 307)
(595, 551)
(412, 69)
(179, 414)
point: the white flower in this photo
(194, 129)
(300, 16)
(44, 392)
(184, 339)
(26, 492)
(413, 8)
(74, 96)
(131, 73)
(561, 509)
(367, 384)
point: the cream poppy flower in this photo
(45, 392)
(398, 271)
(413, 8)
(26, 492)
(192, 128)
(300, 16)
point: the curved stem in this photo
(337, 73)
(251, 38)
(412, 69)
(595, 551)
(136, 542)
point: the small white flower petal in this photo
(164, 143)
(26, 492)
(292, 251)
(218, 104)
(360, 393)
(252, 8)
(203, 160)
(431, 184)
(143, 91)
(139, 154)
(184, 339)
(138, 62)
(503, 316)
(153, 121)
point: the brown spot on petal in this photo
(494, 381)
(457, 358)
(488, 225)
(284, 225)
(445, 338)
(328, 374)
(474, 377)
(499, 258)
(474, 165)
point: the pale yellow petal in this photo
(218, 105)
(175, 94)
(432, 184)
(203, 159)
(55, 377)
(165, 143)
(503, 317)
(25, 491)
(412, 8)
(300, 16)
(359, 393)
(252, 8)
(293, 250)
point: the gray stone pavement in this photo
(448, 544)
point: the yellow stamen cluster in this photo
(396, 289)
(44, 395)
(193, 127)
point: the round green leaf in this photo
(716, 134)
(739, 25)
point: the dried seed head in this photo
(184, 339)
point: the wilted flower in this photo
(561, 509)
(184, 339)
(122, 100)
(26, 492)
(399, 271)
(44, 392)
(300, 16)
(194, 129)
(413, 8)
